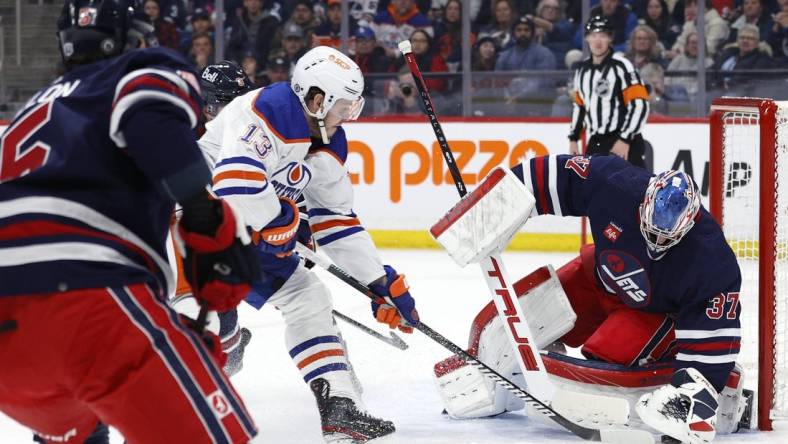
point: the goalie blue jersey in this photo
(697, 281)
(84, 200)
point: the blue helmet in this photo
(668, 211)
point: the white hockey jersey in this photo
(260, 148)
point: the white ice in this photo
(398, 384)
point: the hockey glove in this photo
(395, 306)
(279, 236)
(220, 263)
(685, 409)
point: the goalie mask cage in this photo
(748, 195)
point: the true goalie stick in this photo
(509, 311)
(622, 436)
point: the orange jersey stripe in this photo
(319, 355)
(335, 223)
(239, 174)
(635, 92)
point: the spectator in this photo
(166, 32)
(304, 16)
(364, 10)
(429, 60)
(753, 13)
(293, 44)
(688, 61)
(397, 23)
(251, 67)
(329, 33)
(485, 55)
(656, 15)
(253, 29)
(716, 28)
(653, 76)
(402, 94)
(504, 16)
(201, 52)
(448, 34)
(644, 48)
(200, 24)
(553, 30)
(526, 54)
(619, 16)
(276, 70)
(779, 39)
(369, 56)
(746, 54)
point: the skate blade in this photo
(341, 438)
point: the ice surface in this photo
(398, 384)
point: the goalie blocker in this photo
(587, 389)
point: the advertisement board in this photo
(402, 186)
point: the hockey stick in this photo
(394, 340)
(509, 310)
(624, 436)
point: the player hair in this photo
(313, 91)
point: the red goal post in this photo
(749, 197)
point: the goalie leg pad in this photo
(647, 338)
(732, 403)
(465, 391)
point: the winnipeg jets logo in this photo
(580, 165)
(623, 275)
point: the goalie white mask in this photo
(338, 77)
(668, 211)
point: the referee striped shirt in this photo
(610, 98)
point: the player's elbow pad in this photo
(279, 235)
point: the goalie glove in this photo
(219, 261)
(395, 306)
(685, 409)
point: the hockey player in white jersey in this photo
(270, 147)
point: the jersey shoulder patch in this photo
(282, 113)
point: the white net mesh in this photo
(742, 215)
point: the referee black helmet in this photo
(598, 23)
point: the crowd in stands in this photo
(660, 37)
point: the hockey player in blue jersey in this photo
(270, 147)
(90, 170)
(659, 283)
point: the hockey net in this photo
(748, 194)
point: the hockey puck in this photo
(670, 440)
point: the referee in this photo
(611, 101)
